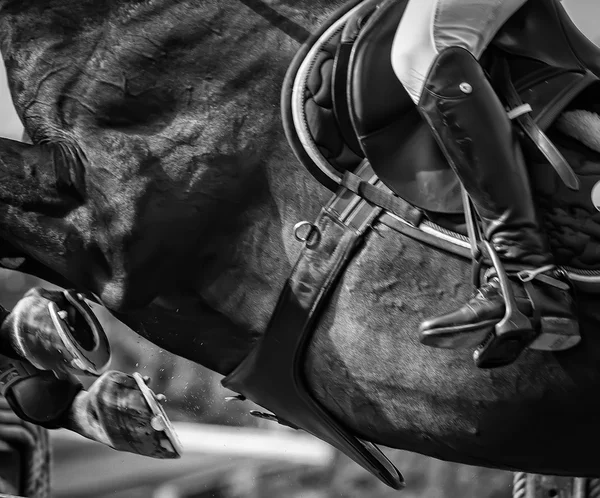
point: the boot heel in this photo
(557, 334)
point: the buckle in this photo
(540, 274)
(529, 275)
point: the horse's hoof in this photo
(58, 331)
(127, 416)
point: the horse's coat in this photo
(176, 203)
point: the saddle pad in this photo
(314, 120)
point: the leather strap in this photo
(532, 130)
(381, 196)
(272, 374)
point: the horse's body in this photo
(161, 180)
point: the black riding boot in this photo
(475, 134)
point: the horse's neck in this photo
(230, 63)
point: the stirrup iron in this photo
(511, 334)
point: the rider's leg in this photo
(435, 56)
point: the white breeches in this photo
(430, 26)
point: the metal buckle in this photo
(94, 361)
(529, 275)
(312, 235)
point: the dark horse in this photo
(160, 180)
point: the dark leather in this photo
(550, 61)
(478, 139)
(483, 150)
(272, 375)
(469, 325)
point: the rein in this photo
(282, 23)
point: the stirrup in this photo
(555, 333)
(511, 334)
(505, 343)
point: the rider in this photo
(435, 56)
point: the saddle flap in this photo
(395, 139)
(272, 375)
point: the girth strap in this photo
(272, 374)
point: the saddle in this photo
(345, 105)
(352, 125)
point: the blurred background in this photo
(227, 452)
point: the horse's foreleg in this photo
(116, 412)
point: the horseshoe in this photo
(92, 360)
(160, 421)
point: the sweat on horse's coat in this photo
(185, 229)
